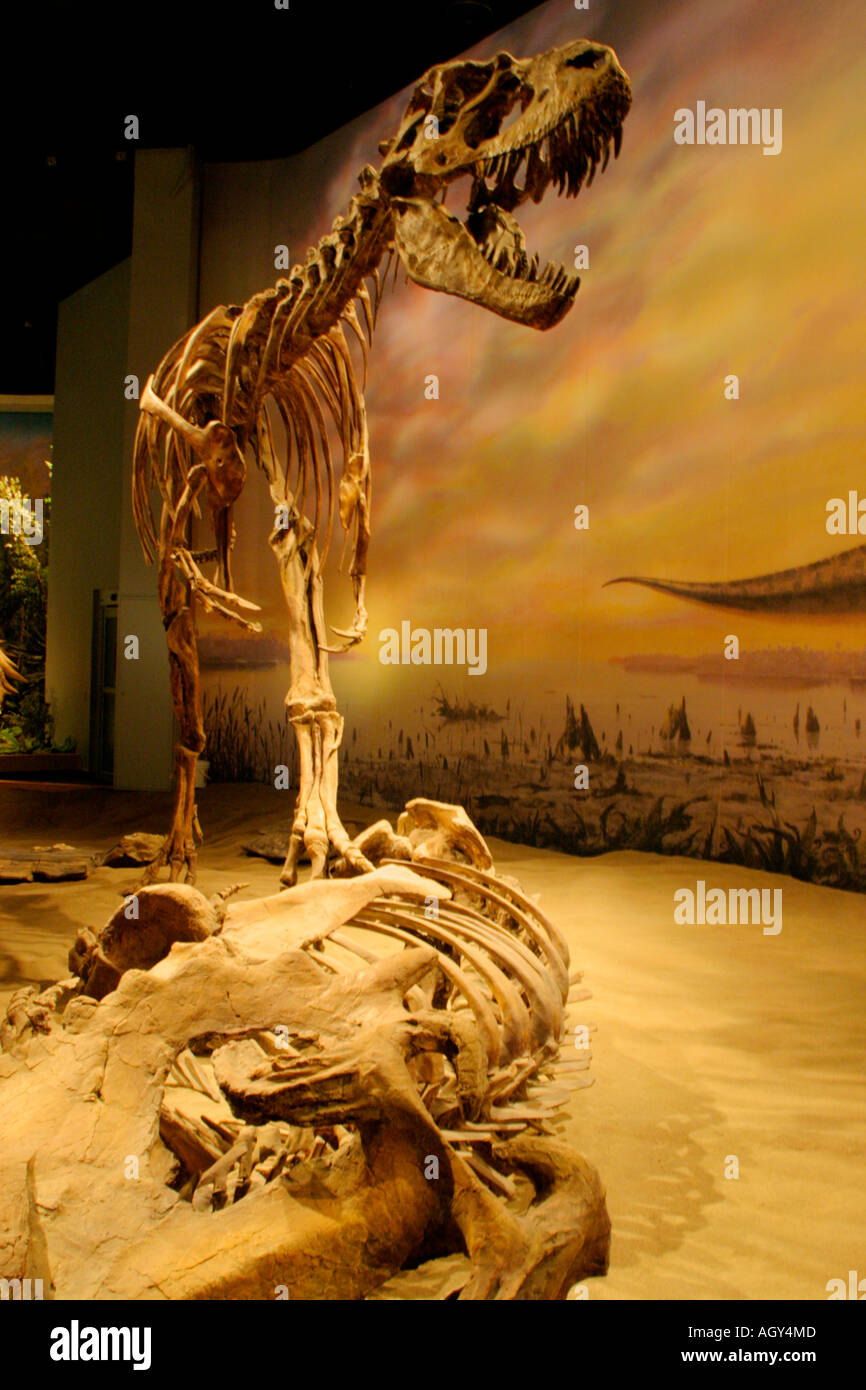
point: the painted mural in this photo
(697, 418)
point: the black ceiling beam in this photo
(237, 82)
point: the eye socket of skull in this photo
(486, 121)
(489, 85)
(589, 58)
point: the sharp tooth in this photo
(534, 170)
(567, 141)
(566, 158)
(552, 155)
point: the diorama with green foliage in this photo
(26, 722)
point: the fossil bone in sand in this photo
(305, 1091)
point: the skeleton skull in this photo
(515, 127)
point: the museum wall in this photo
(110, 336)
(163, 304)
(86, 488)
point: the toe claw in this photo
(358, 860)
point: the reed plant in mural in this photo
(243, 744)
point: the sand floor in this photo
(711, 1041)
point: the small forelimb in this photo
(352, 636)
(195, 480)
(212, 599)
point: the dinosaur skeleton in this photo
(282, 362)
(315, 1088)
(412, 1036)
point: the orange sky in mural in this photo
(704, 261)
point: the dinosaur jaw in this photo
(546, 121)
(440, 253)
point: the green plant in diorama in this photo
(26, 722)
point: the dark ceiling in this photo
(239, 81)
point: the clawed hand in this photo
(212, 598)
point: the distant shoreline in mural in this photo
(784, 798)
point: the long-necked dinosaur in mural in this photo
(281, 363)
(834, 585)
